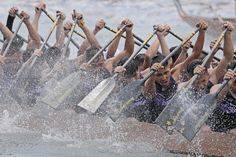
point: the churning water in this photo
(66, 133)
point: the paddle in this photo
(13, 37)
(96, 97)
(72, 40)
(41, 38)
(182, 99)
(206, 53)
(68, 85)
(17, 88)
(195, 117)
(137, 43)
(129, 93)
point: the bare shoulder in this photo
(214, 88)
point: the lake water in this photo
(68, 134)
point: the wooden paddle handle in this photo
(175, 35)
(137, 43)
(52, 19)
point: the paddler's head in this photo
(232, 82)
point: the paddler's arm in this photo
(161, 31)
(5, 31)
(196, 53)
(128, 49)
(61, 30)
(230, 74)
(89, 35)
(85, 44)
(11, 18)
(149, 89)
(114, 45)
(218, 72)
(34, 36)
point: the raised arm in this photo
(197, 50)
(114, 45)
(5, 31)
(89, 35)
(35, 38)
(60, 32)
(129, 46)
(85, 44)
(218, 72)
(38, 11)
(161, 31)
(11, 18)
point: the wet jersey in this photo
(147, 110)
(223, 118)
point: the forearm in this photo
(152, 50)
(90, 37)
(60, 35)
(33, 33)
(113, 47)
(129, 43)
(197, 49)
(149, 88)
(181, 58)
(218, 73)
(35, 21)
(164, 47)
(5, 31)
(228, 47)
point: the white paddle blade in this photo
(97, 96)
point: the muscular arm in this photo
(181, 58)
(152, 50)
(127, 52)
(149, 88)
(5, 31)
(219, 71)
(197, 50)
(113, 47)
(164, 47)
(34, 36)
(85, 44)
(90, 37)
(60, 35)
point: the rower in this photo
(100, 69)
(223, 118)
(209, 77)
(158, 89)
(126, 75)
(179, 70)
(12, 61)
(33, 37)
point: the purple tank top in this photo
(162, 95)
(228, 104)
